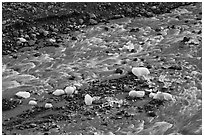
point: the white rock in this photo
(52, 40)
(58, 92)
(140, 71)
(151, 95)
(48, 105)
(158, 95)
(70, 90)
(168, 96)
(88, 99)
(32, 102)
(22, 40)
(134, 93)
(163, 96)
(23, 94)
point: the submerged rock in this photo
(23, 94)
(88, 99)
(134, 93)
(140, 71)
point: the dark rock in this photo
(135, 29)
(74, 38)
(106, 28)
(9, 104)
(151, 114)
(37, 54)
(119, 70)
(175, 67)
(185, 39)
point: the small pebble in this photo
(134, 93)
(70, 90)
(140, 71)
(32, 102)
(58, 92)
(23, 94)
(48, 105)
(88, 99)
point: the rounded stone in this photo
(32, 102)
(23, 94)
(140, 71)
(134, 93)
(70, 90)
(48, 105)
(58, 92)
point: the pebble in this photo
(22, 40)
(23, 94)
(70, 90)
(134, 93)
(88, 99)
(58, 92)
(32, 102)
(140, 71)
(48, 105)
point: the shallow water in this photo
(95, 55)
